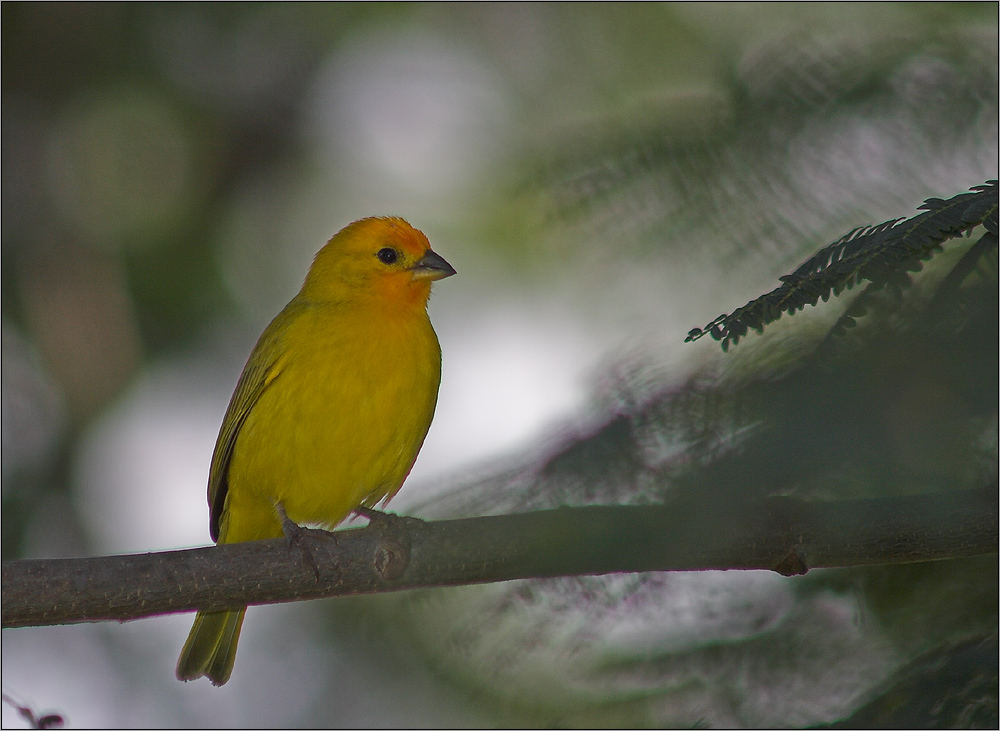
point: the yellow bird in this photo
(331, 408)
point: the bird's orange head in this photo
(384, 258)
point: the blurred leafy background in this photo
(604, 178)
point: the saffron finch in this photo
(331, 408)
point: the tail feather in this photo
(210, 649)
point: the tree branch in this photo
(779, 534)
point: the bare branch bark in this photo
(779, 534)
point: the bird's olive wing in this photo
(259, 373)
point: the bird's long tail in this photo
(210, 649)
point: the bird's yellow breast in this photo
(352, 397)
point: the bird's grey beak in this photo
(432, 266)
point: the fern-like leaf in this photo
(883, 255)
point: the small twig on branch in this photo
(778, 534)
(46, 721)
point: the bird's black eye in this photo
(388, 255)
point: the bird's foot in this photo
(372, 514)
(383, 518)
(296, 536)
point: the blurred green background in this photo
(604, 177)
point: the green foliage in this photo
(882, 255)
(949, 687)
(905, 404)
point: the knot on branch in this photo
(392, 545)
(391, 559)
(792, 563)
